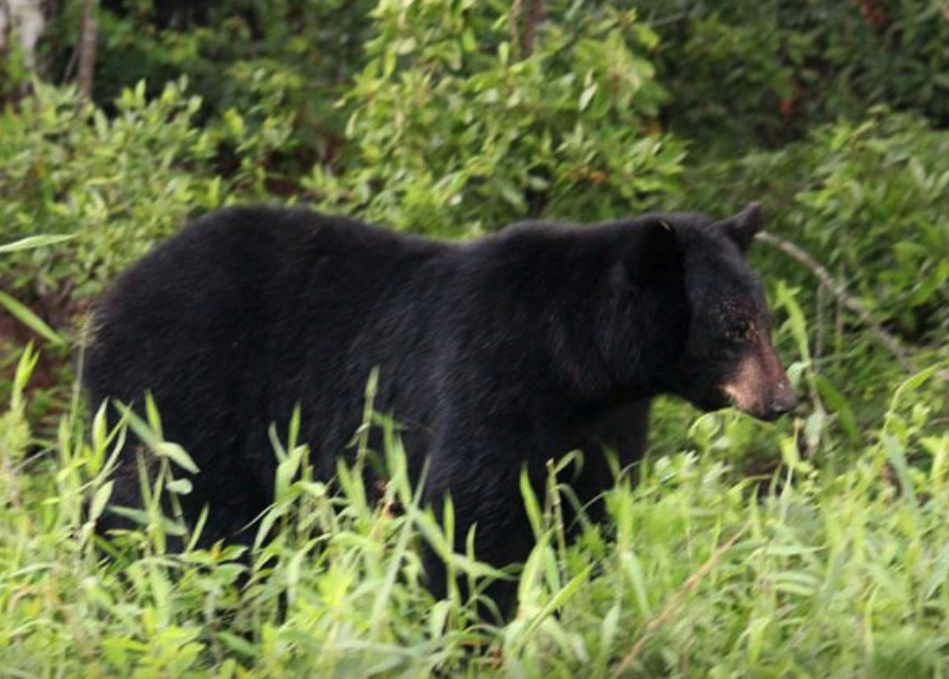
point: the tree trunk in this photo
(87, 48)
(26, 19)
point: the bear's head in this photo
(725, 355)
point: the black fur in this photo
(495, 354)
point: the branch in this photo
(522, 34)
(87, 48)
(885, 338)
(676, 599)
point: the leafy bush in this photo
(310, 46)
(742, 74)
(878, 212)
(117, 183)
(454, 131)
(869, 200)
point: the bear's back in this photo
(249, 303)
(267, 238)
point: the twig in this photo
(670, 19)
(821, 309)
(885, 338)
(676, 599)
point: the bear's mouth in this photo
(765, 410)
(743, 405)
(716, 400)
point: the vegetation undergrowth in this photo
(803, 572)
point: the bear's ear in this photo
(743, 226)
(657, 256)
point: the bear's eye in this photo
(742, 332)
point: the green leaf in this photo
(32, 242)
(896, 455)
(176, 454)
(24, 370)
(839, 406)
(238, 644)
(587, 95)
(531, 504)
(180, 486)
(633, 569)
(814, 427)
(787, 300)
(559, 599)
(912, 384)
(939, 577)
(29, 319)
(100, 500)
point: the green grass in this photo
(698, 572)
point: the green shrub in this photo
(118, 183)
(311, 46)
(870, 201)
(746, 74)
(453, 131)
(877, 211)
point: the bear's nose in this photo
(783, 402)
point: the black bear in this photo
(495, 355)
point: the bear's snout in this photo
(783, 401)
(760, 386)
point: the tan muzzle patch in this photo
(759, 386)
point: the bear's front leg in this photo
(484, 487)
